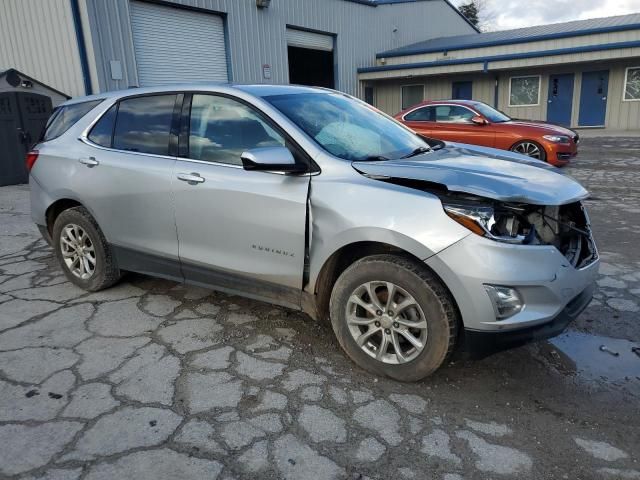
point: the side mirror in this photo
(271, 159)
(478, 120)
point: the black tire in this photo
(106, 272)
(430, 294)
(543, 153)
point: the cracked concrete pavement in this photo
(157, 380)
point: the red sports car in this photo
(467, 121)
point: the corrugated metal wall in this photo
(258, 36)
(37, 37)
(621, 115)
(388, 93)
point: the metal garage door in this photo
(312, 40)
(176, 45)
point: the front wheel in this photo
(394, 317)
(82, 250)
(530, 149)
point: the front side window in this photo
(64, 117)
(222, 128)
(424, 114)
(453, 114)
(632, 84)
(347, 128)
(143, 124)
(412, 95)
(524, 91)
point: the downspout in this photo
(82, 49)
(496, 91)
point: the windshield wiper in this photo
(373, 158)
(418, 151)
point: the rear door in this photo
(239, 230)
(124, 174)
(453, 123)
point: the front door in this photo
(453, 123)
(23, 116)
(238, 230)
(560, 100)
(593, 98)
(462, 91)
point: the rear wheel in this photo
(393, 317)
(82, 250)
(530, 149)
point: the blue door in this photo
(462, 91)
(593, 98)
(560, 100)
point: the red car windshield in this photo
(490, 113)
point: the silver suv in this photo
(314, 200)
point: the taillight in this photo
(31, 158)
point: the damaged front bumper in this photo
(480, 344)
(543, 277)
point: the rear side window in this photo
(143, 124)
(102, 131)
(63, 118)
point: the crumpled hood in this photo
(486, 172)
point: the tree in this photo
(481, 13)
(471, 11)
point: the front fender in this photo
(354, 208)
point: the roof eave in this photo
(399, 52)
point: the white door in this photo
(174, 45)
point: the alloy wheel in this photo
(386, 322)
(78, 251)
(529, 149)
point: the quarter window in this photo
(102, 132)
(63, 118)
(412, 95)
(524, 91)
(632, 84)
(425, 114)
(143, 124)
(222, 128)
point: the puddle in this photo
(579, 354)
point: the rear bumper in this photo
(480, 344)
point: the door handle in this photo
(89, 162)
(191, 178)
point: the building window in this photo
(369, 95)
(524, 91)
(412, 95)
(632, 84)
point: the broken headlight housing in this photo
(498, 223)
(566, 226)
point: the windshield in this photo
(347, 128)
(490, 113)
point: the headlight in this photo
(502, 226)
(556, 138)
